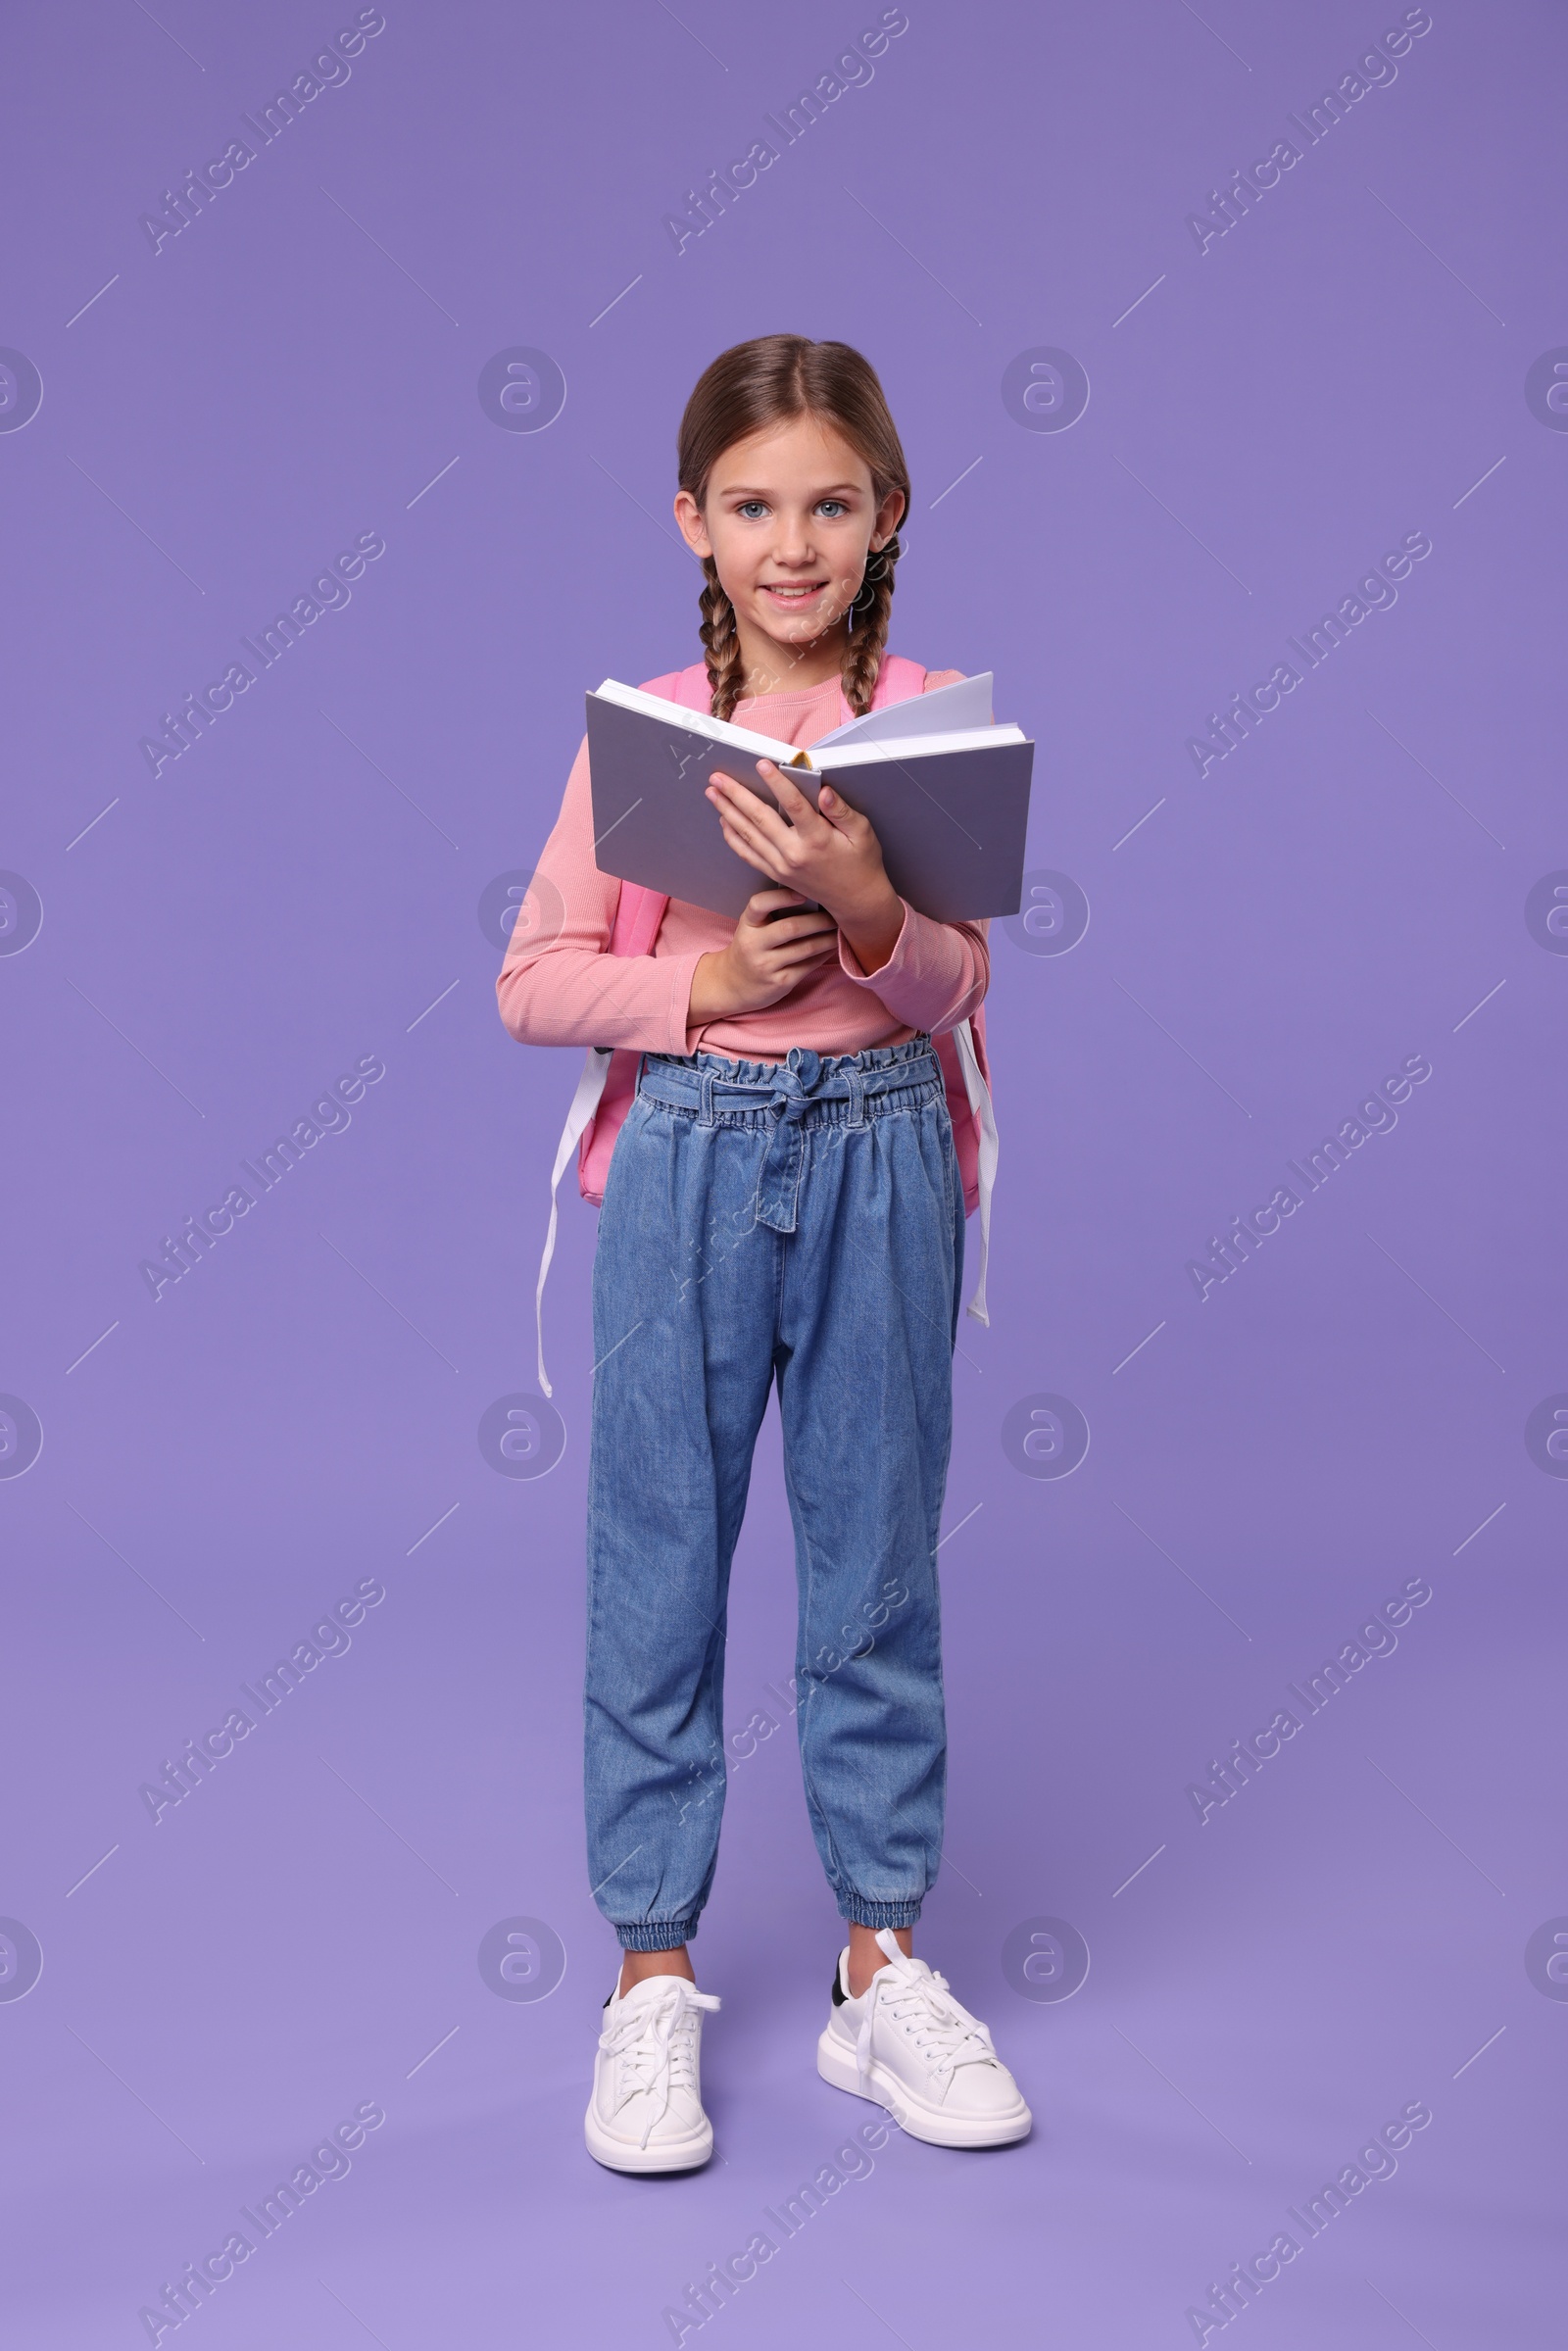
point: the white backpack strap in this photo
(979, 1092)
(584, 1103)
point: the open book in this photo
(945, 790)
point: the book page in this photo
(697, 723)
(966, 702)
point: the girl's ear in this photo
(889, 514)
(693, 529)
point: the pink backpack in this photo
(609, 1082)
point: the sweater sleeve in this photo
(938, 972)
(936, 975)
(559, 984)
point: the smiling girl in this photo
(785, 1203)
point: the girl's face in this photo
(790, 519)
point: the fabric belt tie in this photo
(780, 1181)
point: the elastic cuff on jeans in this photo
(658, 1935)
(861, 1913)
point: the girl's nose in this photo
(794, 543)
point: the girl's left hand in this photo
(829, 852)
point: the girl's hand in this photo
(763, 961)
(829, 852)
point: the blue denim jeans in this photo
(800, 1222)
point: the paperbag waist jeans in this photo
(800, 1222)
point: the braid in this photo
(870, 615)
(721, 645)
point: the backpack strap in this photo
(638, 916)
(584, 1104)
(980, 1104)
(897, 680)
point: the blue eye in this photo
(751, 507)
(834, 502)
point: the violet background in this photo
(300, 365)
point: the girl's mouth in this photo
(793, 593)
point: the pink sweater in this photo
(566, 989)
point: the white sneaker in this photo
(908, 2043)
(646, 2112)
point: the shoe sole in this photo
(837, 2065)
(661, 2155)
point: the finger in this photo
(801, 958)
(725, 792)
(749, 857)
(812, 938)
(797, 807)
(838, 814)
(816, 940)
(782, 786)
(811, 943)
(764, 902)
(749, 845)
(763, 826)
(737, 826)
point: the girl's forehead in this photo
(804, 448)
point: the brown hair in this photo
(769, 381)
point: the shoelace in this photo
(654, 2048)
(917, 2000)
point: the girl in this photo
(784, 1203)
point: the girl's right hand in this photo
(765, 959)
